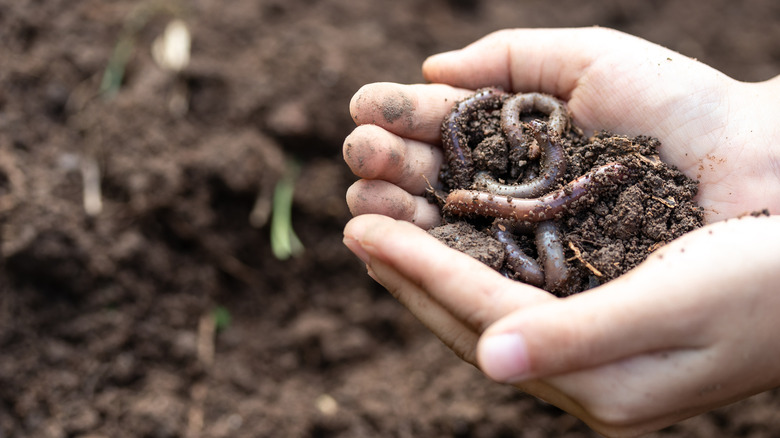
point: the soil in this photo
(604, 234)
(162, 311)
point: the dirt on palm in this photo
(157, 309)
(611, 229)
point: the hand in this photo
(689, 329)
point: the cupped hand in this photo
(687, 330)
(692, 328)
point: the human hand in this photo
(692, 328)
(713, 128)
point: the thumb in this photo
(675, 300)
(546, 60)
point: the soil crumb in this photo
(467, 239)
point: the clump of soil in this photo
(603, 238)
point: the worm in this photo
(456, 148)
(550, 247)
(527, 268)
(553, 166)
(520, 103)
(463, 202)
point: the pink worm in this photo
(527, 268)
(553, 167)
(520, 103)
(463, 202)
(550, 247)
(456, 148)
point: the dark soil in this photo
(113, 324)
(604, 234)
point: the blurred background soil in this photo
(166, 314)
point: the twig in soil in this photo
(670, 202)
(653, 160)
(439, 196)
(655, 246)
(578, 256)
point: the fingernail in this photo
(356, 249)
(504, 358)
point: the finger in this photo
(373, 153)
(651, 391)
(381, 197)
(452, 332)
(411, 111)
(666, 303)
(472, 292)
(546, 60)
(609, 405)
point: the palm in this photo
(694, 122)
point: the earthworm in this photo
(520, 103)
(550, 247)
(462, 202)
(527, 268)
(456, 148)
(553, 166)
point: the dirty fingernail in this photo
(357, 249)
(504, 357)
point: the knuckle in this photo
(463, 344)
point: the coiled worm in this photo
(456, 147)
(553, 166)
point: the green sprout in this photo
(115, 70)
(284, 242)
(221, 317)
